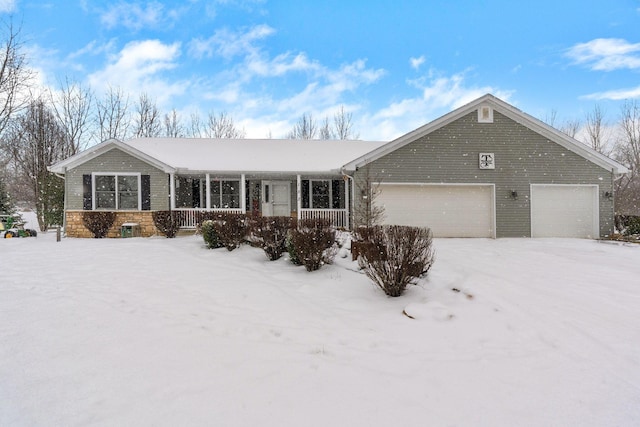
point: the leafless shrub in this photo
(393, 256)
(231, 229)
(167, 222)
(270, 233)
(310, 241)
(98, 222)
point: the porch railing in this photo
(338, 217)
(189, 218)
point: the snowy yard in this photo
(165, 332)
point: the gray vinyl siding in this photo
(522, 157)
(116, 160)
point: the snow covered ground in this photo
(165, 332)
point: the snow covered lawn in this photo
(165, 332)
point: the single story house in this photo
(485, 169)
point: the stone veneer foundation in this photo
(75, 227)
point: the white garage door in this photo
(449, 210)
(564, 211)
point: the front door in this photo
(276, 198)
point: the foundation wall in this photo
(75, 227)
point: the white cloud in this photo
(606, 54)
(326, 88)
(267, 108)
(251, 87)
(8, 6)
(439, 95)
(229, 44)
(136, 15)
(258, 65)
(417, 62)
(138, 67)
(615, 95)
(211, 7)
(93, 48)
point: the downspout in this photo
(172, 191)
(613, 193)
(64, 202)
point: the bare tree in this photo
(112, 115)
(343, 125)
(550, 118)
(570, 127)
(628, 153)
(35, 141)
(195, 125)
(221, 126)
(305, 128)
(15, 76)
(366, 211)
(147, 118)
(595, 126)
(325, 130)
(172, 125)
(72, 105)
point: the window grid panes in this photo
(117, 192)
(321, 194)
(225, 194)
(105, 192)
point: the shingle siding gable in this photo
(522, 157)
(116, 160)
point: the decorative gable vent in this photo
(485, 114)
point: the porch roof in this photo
(253, 155)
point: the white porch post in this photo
(172, 190)
(299, 196)
(243, 193)
(208, 195)
(346, 202)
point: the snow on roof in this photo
(253, 155)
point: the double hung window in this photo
(117, 191)
(321, 194)
(225, 194)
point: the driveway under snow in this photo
(165, 332)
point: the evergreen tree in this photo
(6, 205)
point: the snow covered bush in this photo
(202, 216)
(270, 233)
(231, 229)
(167, 222)
(393, 256)
(633, 225)
(310, 241)
(210, 235)
(628, 224)
(98, 222)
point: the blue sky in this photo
(394, 65)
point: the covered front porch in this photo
(298, 196)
